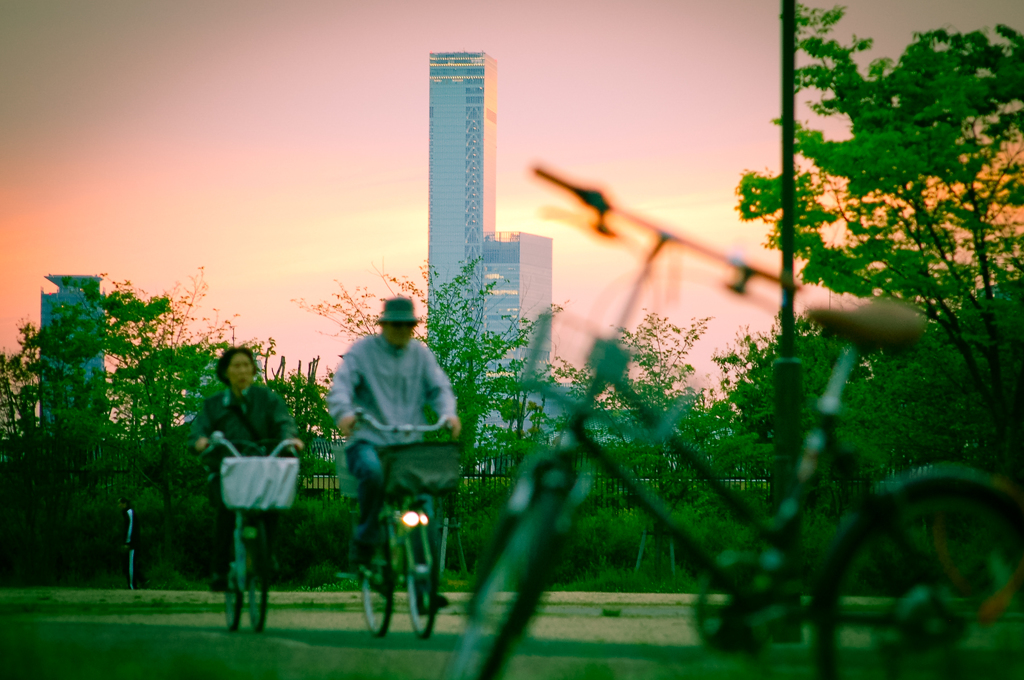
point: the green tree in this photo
(304, 391)
(901, 409)
(53, 420)
(658, 375)
(162, 353)
(924, 200)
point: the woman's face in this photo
(240, 372)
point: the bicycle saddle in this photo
(880, 323)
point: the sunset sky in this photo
(283, 145)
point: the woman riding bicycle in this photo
(390, 377)
(249, 416)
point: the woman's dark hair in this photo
(124, 499)
(225, 361)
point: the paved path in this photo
(322, 635)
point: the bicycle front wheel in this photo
(514, 574)
(233, 607)
(258, 558)
(421, 578)
(921, 583)
(378, 586)
(233, 598)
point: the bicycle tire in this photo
(520, 561)
(378, 588)
(957, 539)
(259, 578)
(233, 596)
(233, 608)
(422, 580)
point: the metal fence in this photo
(112, 469)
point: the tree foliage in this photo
(924, 200)
(901, 409)
(161, 352)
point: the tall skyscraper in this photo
(463, 151)
(463, 147)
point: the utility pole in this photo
(787, 365)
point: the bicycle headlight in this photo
(411, 518)
(424, 519)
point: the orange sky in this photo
(284, 145)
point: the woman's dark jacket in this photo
(268, 420)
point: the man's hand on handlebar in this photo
(455, 425)
(347, 423)
(201, 444)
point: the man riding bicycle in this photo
(249, 416)
(390, 377)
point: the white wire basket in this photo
(258, 483)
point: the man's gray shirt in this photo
(390, 384)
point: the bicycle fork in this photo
(243, 536)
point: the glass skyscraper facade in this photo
(463, 147)
(463, 151)
(519, 266)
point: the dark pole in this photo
(787, 366)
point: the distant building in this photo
(463, 150)
(519, 264)
(463, 155)
(70, 291)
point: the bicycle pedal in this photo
(250, 533)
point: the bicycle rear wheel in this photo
(378, 586)
(258, 559)
(421, 578)
(512, 579)
(921, 583)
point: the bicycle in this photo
(252, 486)
(414, 473)
(759, 589)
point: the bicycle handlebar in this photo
(218, 439)
(398, 429)
(595, 199)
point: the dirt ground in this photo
(622, 618)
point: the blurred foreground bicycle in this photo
(955, 535)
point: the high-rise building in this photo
(71, 305)
(519, 265)
(463, 147)
(70, 293)
(463, 153)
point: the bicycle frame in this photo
(770, 596)
(237, 577)
(538, 511)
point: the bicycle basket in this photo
(258, 483)
(421, 468)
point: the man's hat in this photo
(398, 310)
